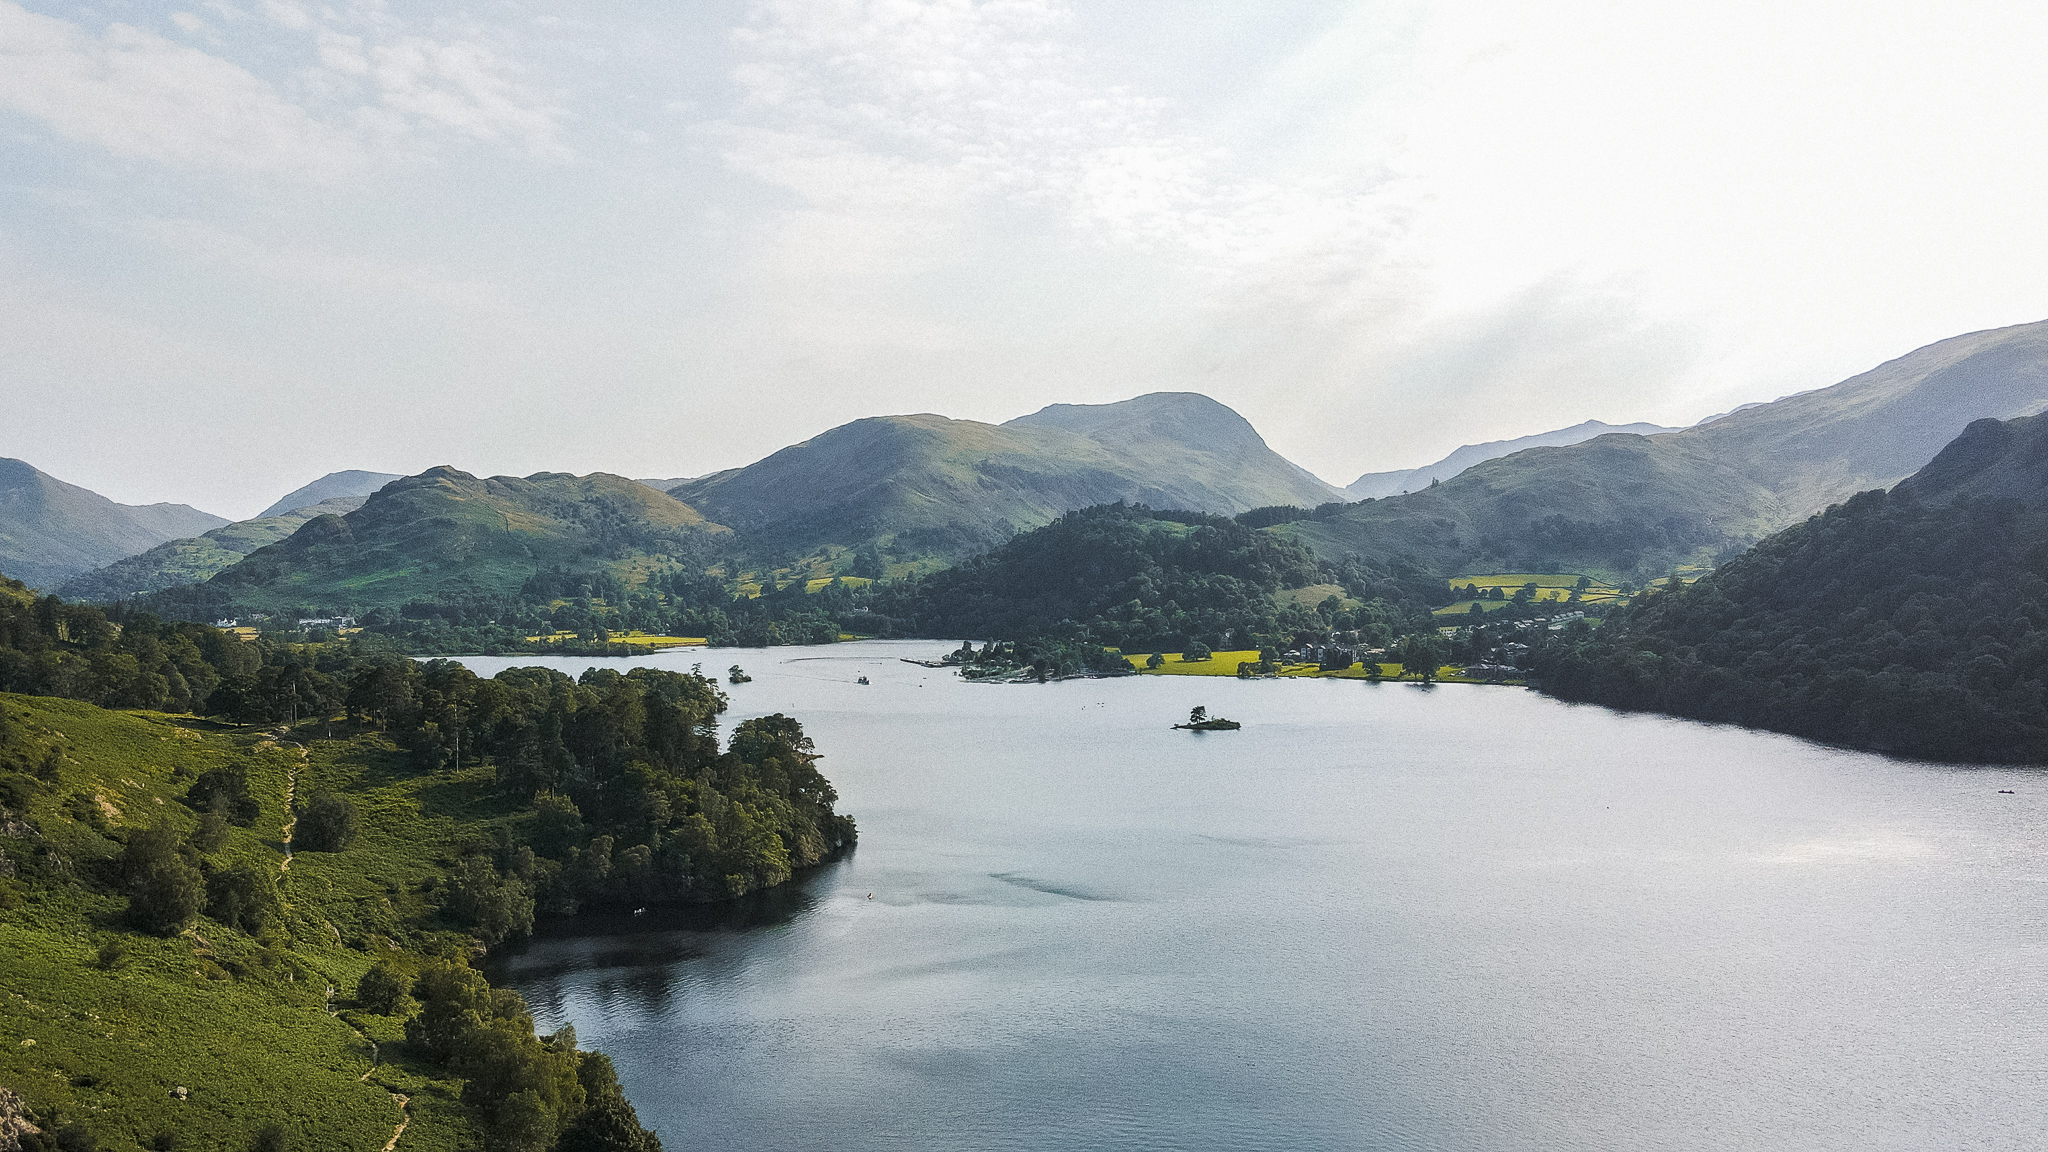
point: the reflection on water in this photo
(1378, 917)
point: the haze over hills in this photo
(50, 530)
(448, 534)
(1374, 485)
(353, 482)
(196, 558)
(926, 487)
(1632, 506)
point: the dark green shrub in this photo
(327, 823)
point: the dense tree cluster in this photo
(1128, 577)
(536, 1093)
(632, 799)
(1884, 623)
(118, 658)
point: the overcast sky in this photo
(247, 242)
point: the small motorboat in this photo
(862, 680)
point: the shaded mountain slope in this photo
(1914, 621)
(50, 530)
(928, 487)
(1374, 485)
(196, 558)
(1627, 506)
(445, 533)
(334, 485)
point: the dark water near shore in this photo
(1379, 917)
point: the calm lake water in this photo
(1379, 917)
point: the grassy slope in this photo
(245, 1027)
(445, 533)
(196, 558)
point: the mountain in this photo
(925, 487)
(1628, 506)
(196, 558)
(445, 534)
(1374, 485)
(50, 530)
(1913, 621)
(353, 482)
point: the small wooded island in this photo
(1199, 720)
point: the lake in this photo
(1378, 917)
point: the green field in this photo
(635, 639)
(1225, 664)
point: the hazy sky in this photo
(246, 242)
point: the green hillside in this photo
(445, 534)
(251, 1016)
(1913, 621)
(893, 490)
(51, 531)
(196, 558)
(1631, 507)
(1617, 507)
(262, 937)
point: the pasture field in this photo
(1550, 586)
(99, 1022)
(1464, 607)
(1225, 664)
(636, 639)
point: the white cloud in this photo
(460, 84)
(369, 79)
(142, 97)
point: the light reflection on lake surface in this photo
(1379, 917)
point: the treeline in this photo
(575, 611)
(119, 658)
(1128, 577)
(1883, 623)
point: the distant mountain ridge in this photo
(926, 487)
(1374, 485)
(196, 558)
(51, 531)
(352, 482)
(446, 534)
(1625, 505)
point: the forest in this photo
(1128, 577)
(1885, 623)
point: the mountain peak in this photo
(1189, 417)
(353, 482)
